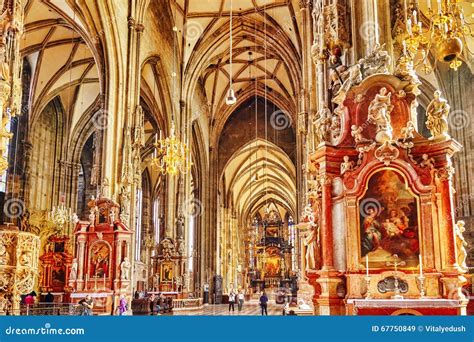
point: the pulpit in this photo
(101, 266)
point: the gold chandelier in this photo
(171, 155)
(447, 32)
(62, 216)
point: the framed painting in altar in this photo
(389, 220)
(166, 272)
(100, 260)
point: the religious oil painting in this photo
(389, 220)
(272, 262)
(100, 263)
(167, 272)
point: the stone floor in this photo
(249, 309)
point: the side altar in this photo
(381, 200)
(101, 266)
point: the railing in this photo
(48, 309)
(187, 304)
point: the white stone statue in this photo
(73, 273)
(437, 113)
(356, 132)
(379, 115)
(311, 243)
(346, 165)
(92, 217)
(461, 245)
(125, 269)
(428, 162)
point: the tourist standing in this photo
(152, 304)
(231, 300)
(240, 298)
(123, 305)
(263, 303)
(86, 304)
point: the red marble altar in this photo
(377, 196)
(56, 265)
(102, 256)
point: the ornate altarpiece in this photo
(382, 194)
(56, 264)
(101, 266)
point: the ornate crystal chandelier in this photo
(171, 155)
(61, 216)
(447, 33)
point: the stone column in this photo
(80, 263)
(326, 223)
(446, 193)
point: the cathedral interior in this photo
(320, 151)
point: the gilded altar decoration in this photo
(56, 268)
(19, 266)
(437, 113)
(11, 30)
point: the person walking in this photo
(231, 300)
(240, 298)
(263, 303)
(123, 305)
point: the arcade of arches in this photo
(338, 180)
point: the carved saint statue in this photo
(356, 132)
(379, 115)
(92, 217)
(124, 203)
(125, 269)
(346, 165)
(437, 113)
(322, 123)
(311, 243)
(4, 255)
(428, 162)
(73, 273)
(461, 245)
(179, 226)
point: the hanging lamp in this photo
(230, 98)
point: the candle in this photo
(421, 264)
(367, 265)
(439, 6)
(104, 281)
(429, 4)
(415, 20)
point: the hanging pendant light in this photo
(230, 98)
